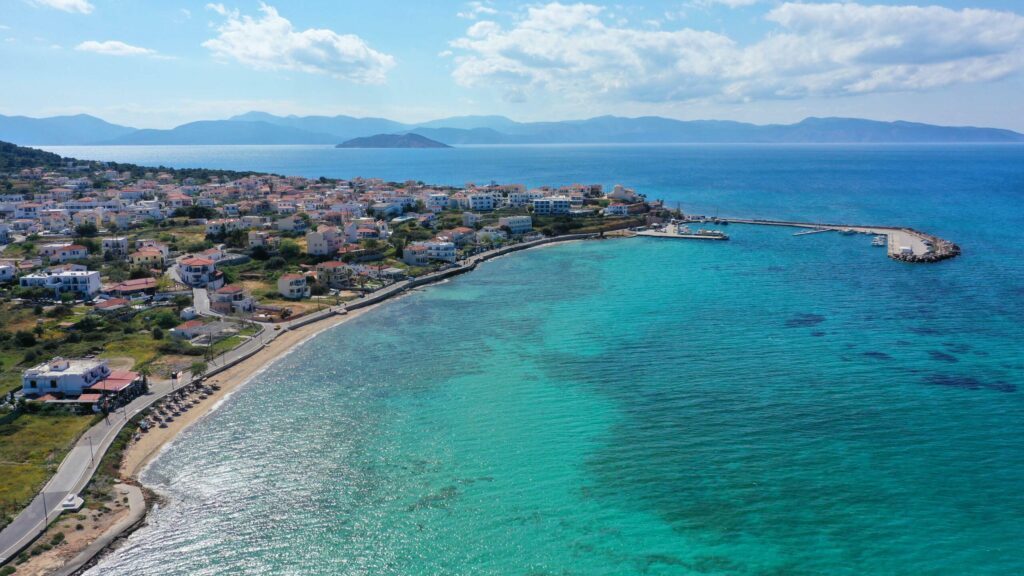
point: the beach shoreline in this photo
(141, 453)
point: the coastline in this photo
(141, 453)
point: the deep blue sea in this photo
(774, 404)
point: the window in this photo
(32, 384)
(53, 383)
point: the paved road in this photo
(74, 473)
(201, 302)
(81, 462)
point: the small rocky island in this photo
(393, 141)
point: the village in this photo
(113, 277)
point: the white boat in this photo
(879, 240)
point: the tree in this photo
(157, 333)
(275, 263)
(259, 253)
(198, 369)
(289, 250)
(236, 238)
(24, 338)
(86, 230)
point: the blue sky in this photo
(150, 63)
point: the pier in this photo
(673, 231)
(903, 244)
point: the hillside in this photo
(59, 130)
(224, 132)
(264, 128)
(393, 141)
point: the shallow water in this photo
(771, 404)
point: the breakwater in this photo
(903, 244)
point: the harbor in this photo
(679, 230)
(903, 244)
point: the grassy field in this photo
(31, 448)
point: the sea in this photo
(774, 404)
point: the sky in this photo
(161, 63)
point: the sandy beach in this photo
(141, 452)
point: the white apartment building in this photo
(200, 272)
(517, 224)
(324, 242)
(116, 247)
(82, 283)
(293, 286)
(480, 202)
(439, 250)
(437, 202)
(552, 205)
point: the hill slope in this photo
(393, 141)
(264, 128)
(59, 130)
(225, 132)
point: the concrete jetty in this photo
(680, 231)
(903, 244)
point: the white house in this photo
(324, 242)
(491, 235)
(64, 252)
(82, 283)
(7, 272)
(117, 247)
(623, 194)
(438, 250)
(293, 286)
(231, 299)
(617, 210)
(517, 224)
(415, 255)
(222, 226)
(62, 376)
(200, 273)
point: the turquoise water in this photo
(769, 405)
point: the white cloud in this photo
(114, 48)
(218, 8)
(729, 3)
(271, 43)
(475, 9)
(79, 6)
(815, 50)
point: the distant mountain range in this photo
(410, 140)
(263, 128)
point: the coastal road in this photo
(74, 473)
(80, 464)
